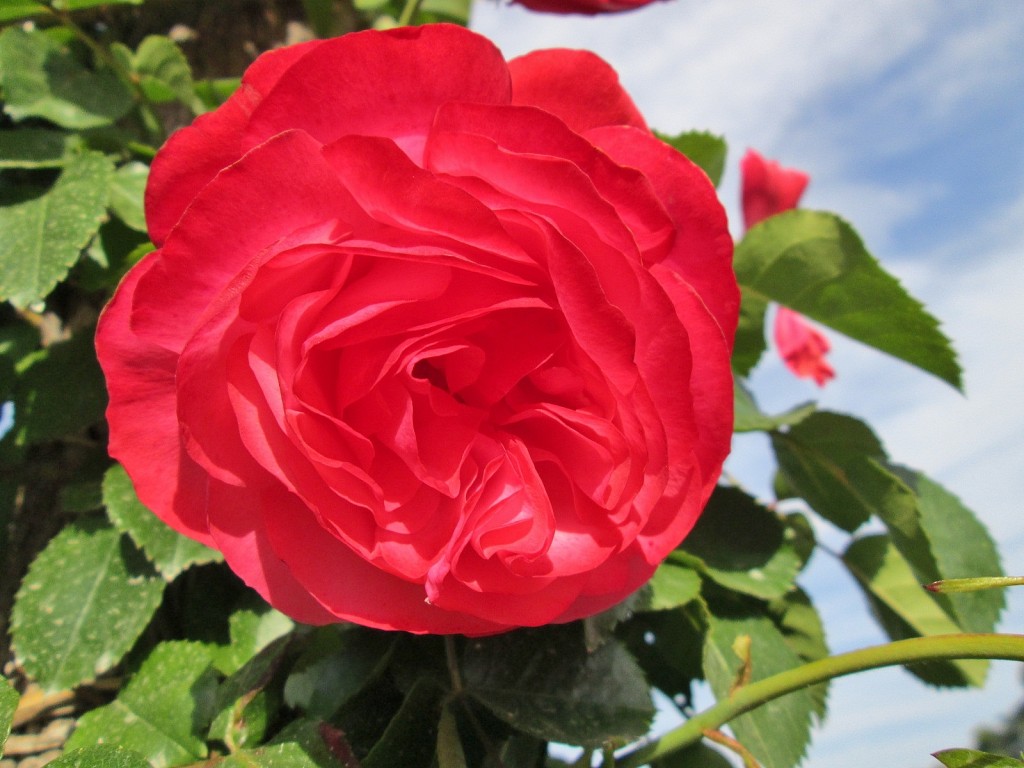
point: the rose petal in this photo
(144, 431)
(577, 86)
(362, 96)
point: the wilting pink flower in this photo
(802, 347)
(432, 341)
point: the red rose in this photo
(432, 341)
(589, 7)
(767, 189)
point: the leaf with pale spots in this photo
(43, 230)
(163, 709)
(86, 599)
(100, 756)
(8, 703)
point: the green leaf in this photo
(545, 683)
(244, 704)
(215, 92)
(749, 344)
(43, 231)
(749, 418)
(85, 600)
(251, 630)
(126, 192)
(164, 72)
(960, 546)
(667, 645)
(44, 407)
(449, 746)
(336, 665)
(41, 78)
(801, 627)
(815, 263)
(833, 461)
(78, 5)
(12, 10)
(672, 586)
(600, 628)
(8, 704)
(286, 754)
(446, 10)
(323, 744)
(742, 546)
(411, 737)
(705, 149)
(101, 756)
(777, 733)
(37, 148)
(905, 609)
(157, 712)
(972, 758)
(320, 15)
(167, 549)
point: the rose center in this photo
(426, 369)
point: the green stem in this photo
(411, 6)
(918, 649)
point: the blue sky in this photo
(909, 116)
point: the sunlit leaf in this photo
(85, 600)
(41, 78)
(126, 191)
(972, 758)
(815, 263)
(163, 72)
(101, 756)
(777, 733)
(11, 10)
(42, 231)
(161, 710)
(672, 585)
(8, 704)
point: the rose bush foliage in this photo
(431, 341)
